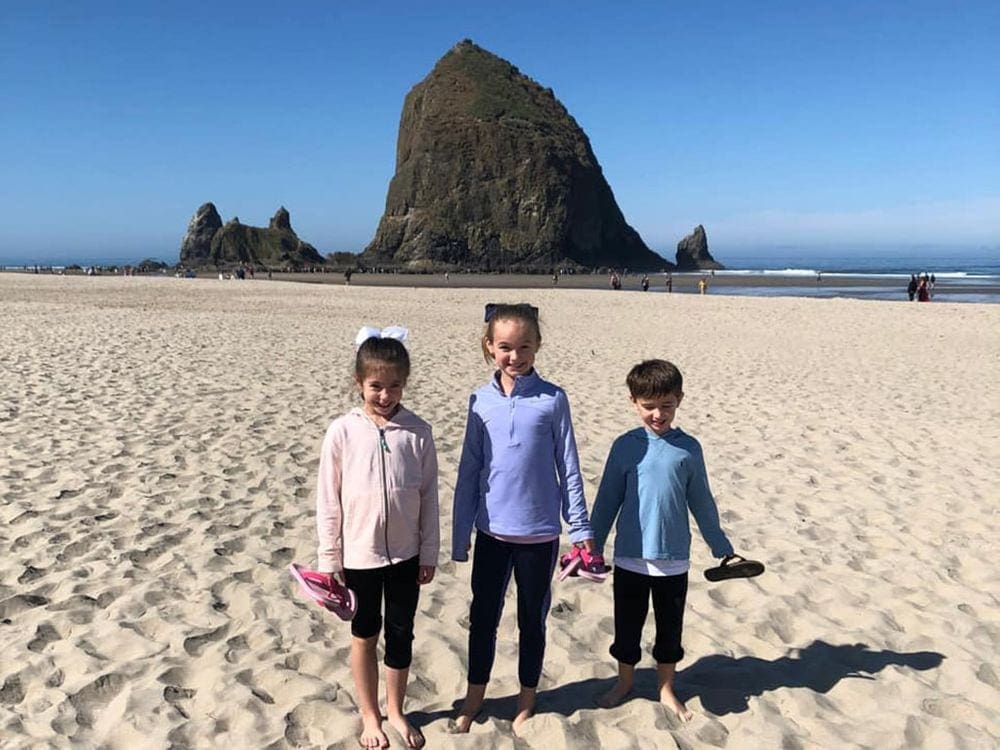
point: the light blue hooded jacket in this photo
(650, 483)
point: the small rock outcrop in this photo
(233, 243)
(492, 173)
(693, 255)
(196, 247)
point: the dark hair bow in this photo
(491, 309)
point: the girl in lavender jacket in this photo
(519, 473)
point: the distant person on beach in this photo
(380, 453)
(555, 279)
(654, 476)
(670, 282)
(519, 472)
(347, 276)
(911, 288)
(702, 285)
(923, 289)
(645, 283)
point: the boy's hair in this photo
(653, 378)
(521, 312)
(377, 353)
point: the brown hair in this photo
(653, 378)
(376, 353)
(521, 312)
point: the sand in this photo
(160, 445)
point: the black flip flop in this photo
(734, 566)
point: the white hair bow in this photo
(389, 332)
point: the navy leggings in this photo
(532, 565)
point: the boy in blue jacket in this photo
(654, 475)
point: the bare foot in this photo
(371, 732)
(519, 721)
(410, 734)
(615, 695)
(668, 699)
(471, 706)
(525, 709)
(461, 724)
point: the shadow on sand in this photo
(723, 684)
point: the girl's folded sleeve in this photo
(329, 512)
(703, 506)
(430, 529)
(466, 503)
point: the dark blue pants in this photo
(492, 563)
(632, 592)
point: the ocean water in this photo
(960, 275)
(952, 263)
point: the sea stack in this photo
(196, 247)
(493, 174)
(693, 255)
(209, 242)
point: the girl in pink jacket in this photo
(377, 522)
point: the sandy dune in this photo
(160, 444)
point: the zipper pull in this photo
(381, 437)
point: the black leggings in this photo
(399, 584)
(492, 564)
(632, 591)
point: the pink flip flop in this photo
(325, 590)
(569, 563)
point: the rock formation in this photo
(233, 243)
(693, 255)
(196, 247)
(492, 173)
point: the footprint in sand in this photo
(237, 646)
(96, 696)
(44, 635)
(12, 691)
(20, 603)
(31, 573)
(196, 643)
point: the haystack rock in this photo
(693, 255)
(276, 246)
(492, 173)
(196, 247)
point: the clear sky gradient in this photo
(772, 123)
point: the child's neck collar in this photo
(516, 384)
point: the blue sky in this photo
(809, 124)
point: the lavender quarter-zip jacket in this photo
(519, 470)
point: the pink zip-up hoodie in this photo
(377, 493)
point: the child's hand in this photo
(587, 544)
(425, 574)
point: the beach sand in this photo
(160, 447)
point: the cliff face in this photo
(210, 243)
(693, 255)
(493, 173)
